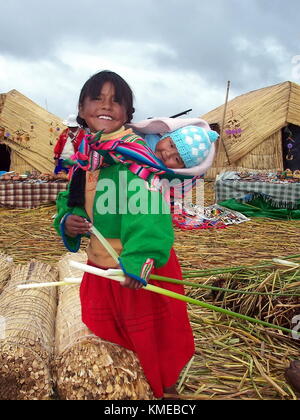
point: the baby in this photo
(186, 147)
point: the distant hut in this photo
(261, 130)
(27, 134)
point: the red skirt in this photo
(154, 326)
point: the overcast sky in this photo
(174, 54)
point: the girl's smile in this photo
(103, 112)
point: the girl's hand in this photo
(132, 283)
(76, 225)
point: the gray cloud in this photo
(249, 42)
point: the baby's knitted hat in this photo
(193, 143)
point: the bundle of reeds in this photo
(5, 269)
(269, 291)
(26, 341)
(86, 367)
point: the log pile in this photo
(26, 341)
(86, 367)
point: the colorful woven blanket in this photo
(129, 150)
(132, 151)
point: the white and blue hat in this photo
(193, 143)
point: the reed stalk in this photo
(187, 299)
(220, 289)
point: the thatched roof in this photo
(258, 114)
(29, 130)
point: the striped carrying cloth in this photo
(129, 150)
(132, 151)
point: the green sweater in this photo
(127, 208)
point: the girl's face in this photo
(103, 112)
(167, 152)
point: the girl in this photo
(155, 327)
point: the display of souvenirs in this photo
(286, 176)
(33, 177)
(190, 216)
(289, 175)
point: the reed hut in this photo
(27, 134)
(261, 130)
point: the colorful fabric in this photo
(185, 222)
(190, 216)
(193, 144)
(146, 269)
(127, 149)
(130, 150)
(62, 140)
(60, 167)
(154, 326)
(26, 195)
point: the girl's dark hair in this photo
(94, 85)
(77, 189)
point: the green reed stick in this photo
(216, 308)
(219, 289)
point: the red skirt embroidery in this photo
(154, 326)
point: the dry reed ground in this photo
(26, 234)
(234, 359)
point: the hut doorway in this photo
(291, 147)
(5, 161)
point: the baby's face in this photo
(167, 152)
